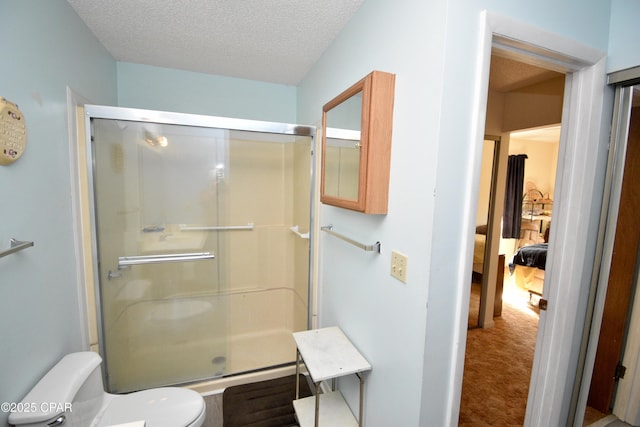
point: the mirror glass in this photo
(342, 149)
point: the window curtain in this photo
(512, 213)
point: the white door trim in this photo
(79, 210)
(581, 165)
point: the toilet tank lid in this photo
(56, 391)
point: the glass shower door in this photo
(201, 229)
(162, 321)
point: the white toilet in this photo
(71, 394)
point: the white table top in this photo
(328, 353)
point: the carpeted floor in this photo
(263, 404)
(498, 365)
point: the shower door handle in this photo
(126, 261)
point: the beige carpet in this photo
(498, 365)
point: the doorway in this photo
(581, 170)
(479, 316)
(508, 328)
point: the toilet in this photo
(72, 394)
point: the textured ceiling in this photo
(276, 41)
(508, 75)
(272, 41)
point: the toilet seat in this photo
(159, 407)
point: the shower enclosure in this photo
(201, 242)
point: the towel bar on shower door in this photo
(126, 261)
(184, 227)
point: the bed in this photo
(528, 264)
(478, 250)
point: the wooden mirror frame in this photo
(375, 143)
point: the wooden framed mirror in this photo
(356, 145)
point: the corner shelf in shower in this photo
(296, 230)
(327, 354)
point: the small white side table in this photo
(328, 354)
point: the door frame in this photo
(492, 237)
(81, 219)
(579, 180)
(624, 82)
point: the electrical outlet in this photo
(399, 266)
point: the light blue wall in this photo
(45, 48)
(155, 88)
(624, 41)
(384, 317)
(408, 332)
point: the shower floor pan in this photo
(196, 360)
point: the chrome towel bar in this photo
(369, 248)
(183, 227)
(15, 246)
(125, 261)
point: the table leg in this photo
(297, 375)
(317, 418)
(361, 411)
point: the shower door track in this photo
(164, 117)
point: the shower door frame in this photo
(195, 120)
